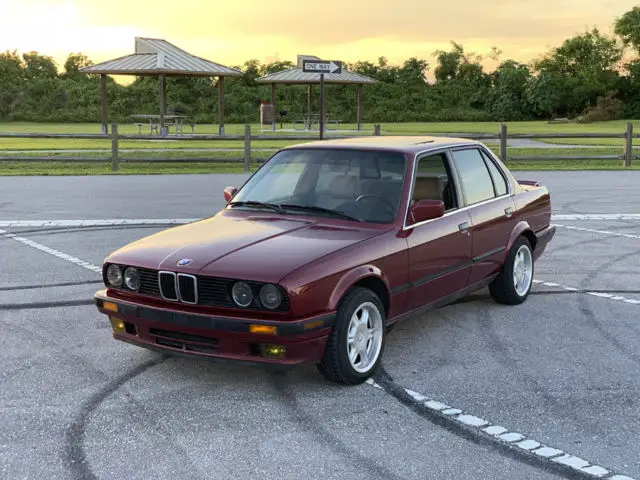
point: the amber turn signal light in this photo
(263, 329)
(112, 307)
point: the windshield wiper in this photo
(314, 208)
(272, 206)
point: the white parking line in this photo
(503, 435)
(603, 232)
(180, 221)
(496, 432)
(596, 216)
(51, 251)
(98, 269)
(608, 296)
(94, 223)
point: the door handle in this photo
(508, 212)
(464, 226)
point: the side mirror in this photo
(229, 192)
(426, 210)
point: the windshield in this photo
(361, 185)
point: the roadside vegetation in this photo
(590, 83)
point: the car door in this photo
(488, 199)
(439, 249)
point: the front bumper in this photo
(214, 336)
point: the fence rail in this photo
(115, 158)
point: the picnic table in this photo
(177, 121)
(311, 121)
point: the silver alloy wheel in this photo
(364, 337)
(522, 270)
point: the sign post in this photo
(321, 67)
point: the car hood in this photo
(239, 245)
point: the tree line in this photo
(590, 77)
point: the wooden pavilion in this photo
(157, 57)
(295, 76)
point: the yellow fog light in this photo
(273, 351)
(117, 324)
(264, 329)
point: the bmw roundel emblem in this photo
(184, 261)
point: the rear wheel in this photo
(356, 342)
(513, 285)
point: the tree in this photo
(507, 100)
(73, 64)
(628, 28)
(572, 76)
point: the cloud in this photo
(231, 33)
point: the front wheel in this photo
(513, 285)
(355, 345)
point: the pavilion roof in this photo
(297, 76)
(154, 56)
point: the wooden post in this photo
(163, 103)
(360, 95)
(274, 104)
(221, 106)
(105, 103)
(247, 147)
(628, 147)
(503, 143)
(309, 97)
(376, 130)
(115, 161)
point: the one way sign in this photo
(321, 66)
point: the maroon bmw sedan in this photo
(326, 247)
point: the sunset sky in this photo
(232, 32)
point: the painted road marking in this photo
(98, 269)
(597, 216)
(502, 435)
(496, 432)
(51, 251)
(608, 296)
(180, 221)
(603, 232)
(95, 223)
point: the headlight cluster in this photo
(129, 277)
(270, 296)
(215, 292)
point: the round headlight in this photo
(114, 275)
(131, 278)
(241, 293)
(270, 296)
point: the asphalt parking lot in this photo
(548, 389)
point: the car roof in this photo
(399, 143)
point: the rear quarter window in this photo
(475, 177)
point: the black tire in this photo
(503, 289)
(335, 365)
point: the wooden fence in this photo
(116, 158)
